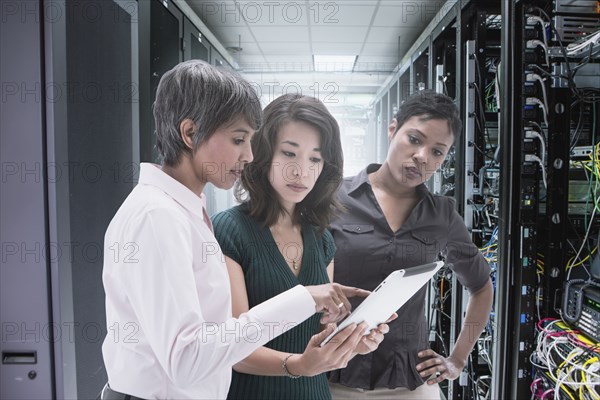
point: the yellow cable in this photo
(571, 355)
(581, 386)
(569, 266)
(583, 380)
(489, 247)
(567, 391)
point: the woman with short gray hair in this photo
(209, 97)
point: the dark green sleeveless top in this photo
(267, 274)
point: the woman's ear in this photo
(187, 129)
(392, 128)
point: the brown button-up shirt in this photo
(368, 251)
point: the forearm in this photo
(265, 362)
(476, 318)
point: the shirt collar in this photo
(423, 192)
(363, 178)
(152, 174)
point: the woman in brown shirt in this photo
(392, 221)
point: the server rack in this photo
(546, 216)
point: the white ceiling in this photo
(273, 42)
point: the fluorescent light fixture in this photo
(334, 63)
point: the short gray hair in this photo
(211, 97)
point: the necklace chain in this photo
(286, 247)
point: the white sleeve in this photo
(163, 292)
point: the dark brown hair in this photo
(254, 188)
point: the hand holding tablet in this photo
(389, 296)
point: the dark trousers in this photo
(108, 394)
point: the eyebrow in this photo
(297, 145)
(425, 136)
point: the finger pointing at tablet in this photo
(332, 300)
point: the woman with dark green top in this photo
(277, 239)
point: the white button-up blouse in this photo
(168, 303)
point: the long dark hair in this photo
(254, 188)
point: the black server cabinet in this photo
(161, 33)
(546, 188)
(217, 59)
(104, 159)
(195, 46)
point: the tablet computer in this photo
(389, 296)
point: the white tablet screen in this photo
(389, 296)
